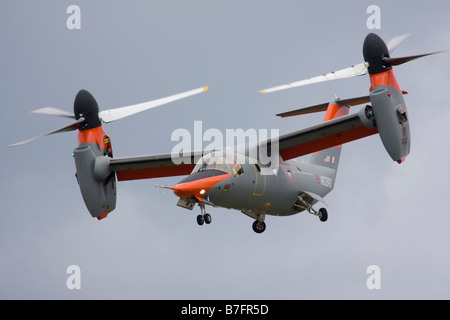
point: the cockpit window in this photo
(212, 163)
(227, 164)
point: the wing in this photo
(323, 136)
(296, 144)
(154, 166)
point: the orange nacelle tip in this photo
(94, 135)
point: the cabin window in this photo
(236, 166)
(227, 186)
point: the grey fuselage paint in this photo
(272, 194)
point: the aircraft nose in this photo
(188, 189)
(197, 187)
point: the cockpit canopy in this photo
(227, 164)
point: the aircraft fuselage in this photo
(259, 190)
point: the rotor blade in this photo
(355, 70)
(73, 126)
(119, 113)
(401, 60)
(396, 41)
(54, 112)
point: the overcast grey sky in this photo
(126, 52)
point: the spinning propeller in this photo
(371, 49)
(87, 115)
(387, 111)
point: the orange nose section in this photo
(197, 188)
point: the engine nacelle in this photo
(391, 119)
(97, 183)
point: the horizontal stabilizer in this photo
(323, 106)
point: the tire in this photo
(323, 214)
(207, 218)
(259, 227)
(200, 220)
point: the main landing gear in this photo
(203, 217)
(259, 226)
(302, 203)
(322, 213)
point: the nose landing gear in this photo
(203, 217)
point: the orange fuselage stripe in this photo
(193, 188)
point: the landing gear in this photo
(203, 217)
(200, 220)
(259, 226)
(323, 214)
(304, 203)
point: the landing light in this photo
(202, 191)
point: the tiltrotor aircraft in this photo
(240, 180)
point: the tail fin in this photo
(330, 157)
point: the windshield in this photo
(212, 163)
(225, 164)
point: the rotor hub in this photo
(86, 106)
(375, 51)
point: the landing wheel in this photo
(323, 214)
(207, 218)
(259, 226)
(200, 220)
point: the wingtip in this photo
(205, 88)
(262, 91)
